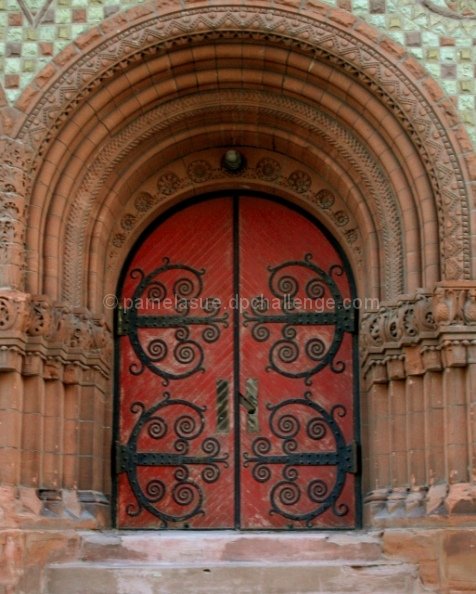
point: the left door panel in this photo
(175, 445)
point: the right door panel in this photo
(296, 376)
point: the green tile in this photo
(448, 54)
(95, 14)
(12, 95)
(30, 50)
(450, 86)
(63, 15)
(47, 33)
(12, 65)
(78, 28)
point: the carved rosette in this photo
(261, 168)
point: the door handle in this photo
(250, 406)
(250, 402)
(223, 407)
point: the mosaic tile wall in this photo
(440, 33)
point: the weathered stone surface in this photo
(168, 547)
(459, 561)
(232, 578)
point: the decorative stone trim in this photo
(422, 505)
(316, 36)
(26, 507)
(32, 326)
(277, 172)
(453, 9)
(443, 317)
(159, 121)
(405, 322)
(13, 181)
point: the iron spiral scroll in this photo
(179, 287)
(187, 431)
(286, 355)
(286, 495)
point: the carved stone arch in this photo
(298, 115)
(201, 174)
(318, 34)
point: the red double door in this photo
(236, 395)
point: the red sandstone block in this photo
(66, 55)
(46, 48)
(345, 4)
(392, 47)
(45, 75)
(343, 18)
(414, 67)
(447, 41)
(433, 88)
(79, 15)
(12, 81)
(15, 19)
(89, 38)
(315, 6)
(371, 33)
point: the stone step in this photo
(226, 562)
(228, 545)
(232, 577)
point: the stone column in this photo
(427, 343)
(13, 323)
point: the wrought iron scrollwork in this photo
(286, 424)
(179, 286)
(187, 427)
(287, 355)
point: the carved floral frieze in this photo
(263, 169)
(31, 323)
(426, 316)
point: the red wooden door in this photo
(236, 392)
(296, 363)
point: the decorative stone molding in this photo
(32, 325)
(405, 322)
(13, 179)
(452, 9)
(14, 313)
(454, 304)
(298, 114)
(421, 505)
(52, 508)
(450, 308)
(326, 39)
(276, 172)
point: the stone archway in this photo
(134, 116)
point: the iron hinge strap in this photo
(122, 321)
(122, 458)
(352, 458)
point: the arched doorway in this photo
(236, 404)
